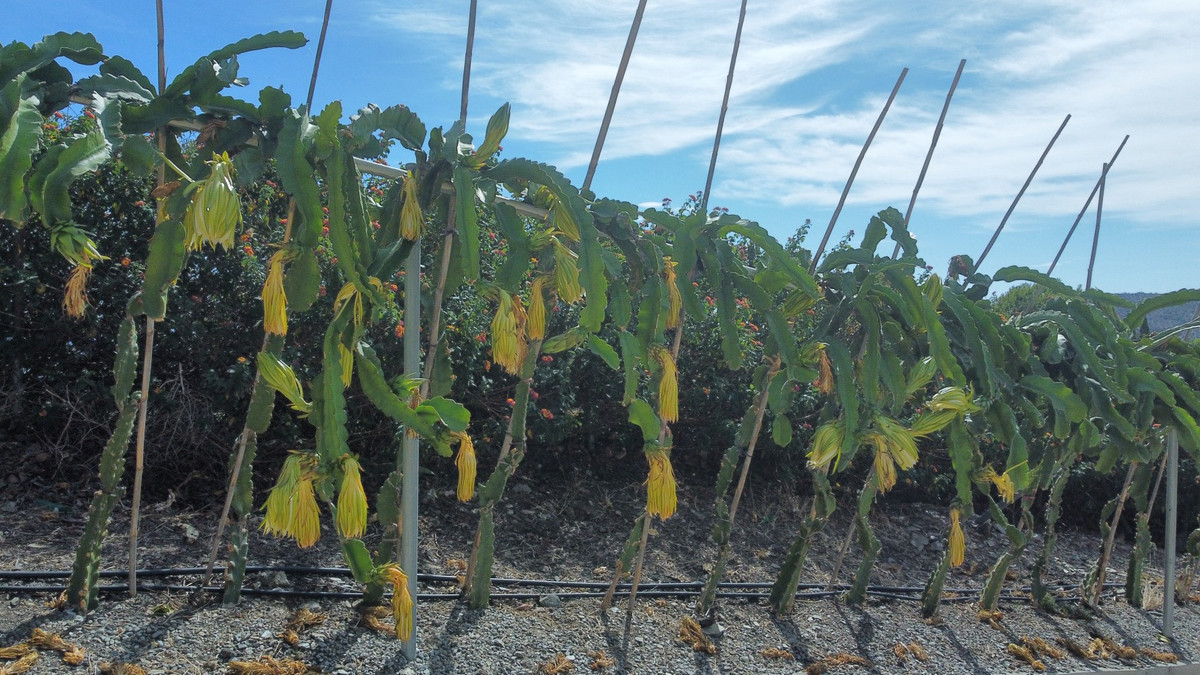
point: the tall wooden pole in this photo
(1082, 211)
(1096, 234)
(854, 172)
(612, 97)
(937, 133)
(712, 162)
(996, 234)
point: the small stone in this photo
(714, 629)
(520, 489)
(9, 507)
(551, 601)
(266, 635)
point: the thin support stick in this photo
(854, 172)
(466, 82)
(1082, 211)
(1169, 536)
(612, 97)
(1024, 187)
(148, 359)
(841, 556)
(937, 132)
(1106, 551)
(1096, 234)
(712, 162)
(312, 82)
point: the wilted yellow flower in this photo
(350, 292)
(928, 422)
(1003, 482)
(292, 509)
(668, 386)
(466, 467)
(675, 299)
(282, 378)
(279, 506)
(566, 273)
(412, 221)
(952, 398)
(885, 464)
(536, 327)
(508, 334)
(827, 444)
(402, 601)
(899, 441)
(352, 500)
(958, 544)
(273, 297)
(346, 361)
(75, 296)
(215, 211)
(825, 381)
(660, 486)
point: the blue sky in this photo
(811, 79)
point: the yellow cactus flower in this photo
(668, 386)
(75, 295)
(412, 221)
(466, 467)
(958, 544)
(953, 398)
(282, 378)
(561, 216)
(920, 375)
(536, 327)
(1003, 483)
(827, 444)
(273, 297)
(825, 381)
(346, 361)
(279, 506)
(885, 464)
(929, 422)
(566, 273)
(900, 442)
(352, 500)
(508, 334)
(674, 297)
(348, 293)
(215, 211)
(402, 601)
(933, 289)
(660, 486)
(306, 518)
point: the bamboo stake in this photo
(937, 132)
(1024, 187)
(1085, 208)
(435, 320)
(612, 97)
(1096, 234)
(240, 455)
(148, 357)
(1106, 551)
(854, 172)
(712, 162)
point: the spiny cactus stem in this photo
(139, 457)
(1106, 552)
(233, 481)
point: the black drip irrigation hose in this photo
(666, 589)
(683, 587)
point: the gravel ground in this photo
(557, 535)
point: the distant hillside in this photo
(1163, 319)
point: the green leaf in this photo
(1068, 407)
(18, 143)
(516, 262)
(202, 69)
(604, 351)
(17, 58)
(592, 276)
(782, 260)
(452, 413)
(781, 431)
(467, 221)
(82, 155)
(1014, 273)
(359, 560)
(1135, 317)
(631, 356)
(163, 263)
(641, 414)
(115, 86)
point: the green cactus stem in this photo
(479, 571)
(783, 592)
